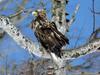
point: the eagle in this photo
(47, 33)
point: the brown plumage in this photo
(48, 35)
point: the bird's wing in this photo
(58, 34)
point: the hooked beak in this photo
(34, 13)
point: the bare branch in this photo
(90, 47)
(25, 43)
(20, 12)
(58, 15)
(16, 14)
(93, 7)
(74, 14)
(94, 34)
(95, 12)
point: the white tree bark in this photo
(73, 16)
(58, 15)
(90, 47)
(9, 27)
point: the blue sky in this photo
(84, 20)
(83, 24)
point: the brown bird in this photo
(47, 34)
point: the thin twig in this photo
(16, 14)
(93, 6)
(95, 12)
(74, 14)
(80, 33)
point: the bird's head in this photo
(39, 13)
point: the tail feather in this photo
(57, 51)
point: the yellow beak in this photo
(34, 13)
